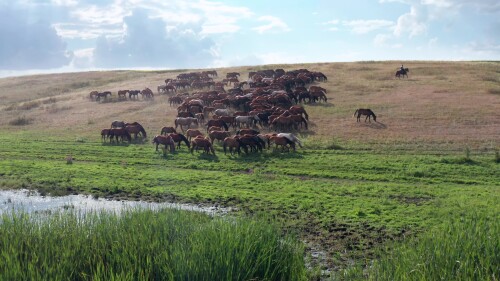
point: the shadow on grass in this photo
(375, 125)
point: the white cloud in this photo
(274, 24)
(365, 26)
(412, 23)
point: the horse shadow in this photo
(321, 104)
(208, 157)
(376, 125)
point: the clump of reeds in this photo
(145, 245)
(462, 249)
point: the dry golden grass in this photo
(443, 105)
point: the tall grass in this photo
(145, 245)
(463, 249)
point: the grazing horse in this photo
(218, 123)
(167, 130)
(233, 143)
(104, 134)
(283, 142)
(119, 132)
(135, 128)
(218, 135)
(367, 112)
(291, 137)
(103, 95)
(254, 142)
(222, 112)
(185, 121)
(192, 133)
(118, 124)
(250, 121)
(147, 93)
(295, 109)
(178, 138)
(93, 95)
(247, 132)
(402, 72)
(201, 142)
(165, 140)
(133, 93)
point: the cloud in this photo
(147, 43)
(28, 44)
(365, 26)
(414, 23)
(274, 24)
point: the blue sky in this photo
(41, 36)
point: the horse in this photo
(367, 112)
(135, 128)
(254, 142)
(291, 137)
(222, 112)
(119, 132)
(93, 95)
(295, 109)
(218, 135)
(118, 124)
(247, 132)
(133, 93)
(201, 142)
(250, 121)
(185, 121)
(147, 93)
(178, 138)
(283, 142)
(192, 133)
(167, 130)
(104, 134)
(165, 140)
(402, 72)
(218, 123)
(122, 94)
(233, 144)
(103, 95)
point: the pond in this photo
(31, 201)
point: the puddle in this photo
(30, 201)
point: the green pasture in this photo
(348, 200)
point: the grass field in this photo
(354, 187)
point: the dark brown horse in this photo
(367, 112)
(136, 130)
(402, 72)
(167, 130)
(104, 134)
(218, 123)
(178, 138)
(119, 133)
(165, 140)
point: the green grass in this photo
(465, 248)
(348, 199)
(145, 245)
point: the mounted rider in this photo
(402, 69)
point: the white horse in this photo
(222, 112)
(185, 121)
(250, 121)
(291, 137)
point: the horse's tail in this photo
(212, 149)
(305, 114)
(184, 139)
(355, 112)
(224, 145)
(225, 125)
(143, 132)
(304, 121)
(127, 134)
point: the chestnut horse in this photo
(367, 112)
(233, 143)
(104, 134)
(192, 133)
(135, 128)
(165, 140)
(218, 135)
(283, 142)
(167, 130)
(201, 142)
(218, 123)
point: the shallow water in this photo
(31, 202)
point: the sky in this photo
(46, 36)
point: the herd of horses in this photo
(268, 100)
(146, 93)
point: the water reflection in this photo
(30, 202)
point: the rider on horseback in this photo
(402, 69)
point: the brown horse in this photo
(402, 72)
(218, 135)
(283, 142)
(167, 130)
(165, 140)
(367, 112)
(119, 132)
(104, 134)
(254, 142)
(133, 94)
(247, 132)
(233, 144)
(178, 138)
(136, 130)
(192, 133)
(218, 123)
(93, 95)
(122, 94)
(295, 109)
(201, 142)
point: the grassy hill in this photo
(432, 155)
